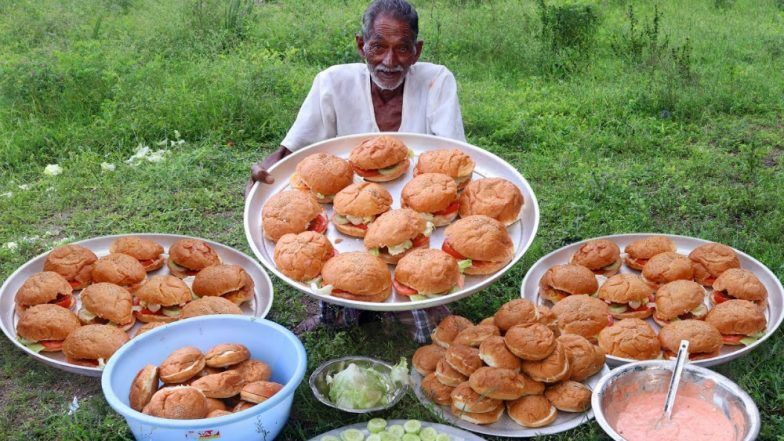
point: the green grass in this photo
(609, 144)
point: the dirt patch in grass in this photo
(772, 159)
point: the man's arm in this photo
(444, 117)
(258, 172)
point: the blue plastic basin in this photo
(267, 341)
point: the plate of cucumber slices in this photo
(379, 429)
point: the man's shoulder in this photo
(343, 72)
(428, 71)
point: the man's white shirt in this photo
(339, 103)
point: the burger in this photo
(585, 358)
(226, 354)
(492, 197)
(630, 338)
(711, 260)
(446, 331)
(301, 256)
(181, 365)
(380, 159)
(569, 396)
(736, 283)
(463, 359)
(119, 269)
(704, 339)
(180, 402)
(228, 281)
(396, 233)
(147, 252)
(601, 256)
(73, 262)
(434, 196)
(679, 300)
(466, 399)
(453, 163)
(448, 375)
(143, 387)
(641, 250)
(530, 342)
(551, 369)
(740, 322)
(161, 299)
(440, 393)
(628, 296)
(481, 244)
(107, 304)
(532, 411)
(474, 335)
(561, 281)
(667, 267)
(426, 272)
(502, 384)
(208, 306)
(484, 418)
(44, 327)
(323, 175)
(582, 315)
(292, 212)
(189, 256)
(42, 288)
(355, 276)
(494, 353)
(93, 345)
(426, 359)
(260, 391)
(358, 205)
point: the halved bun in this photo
(440, 393)
(532, 411)
(181, 365)
(448, 328)
(260, 391)
(493, 197)
(466, 399)
(426, 358)
(221, 385)
(463, 359)
(502, 384)
(533, 341)
(551, 369)
(494, 353)
(515, 312)
(226, 354)
(585, 358)
(143, 387)
(484, 418)
(181, 402)
(582, 315)
(569, 396)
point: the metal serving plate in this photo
(259, 306)
(487, 165)
(506, 426)
(530, 288)
(454, 433)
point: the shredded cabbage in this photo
(358, 387)
(399, 249)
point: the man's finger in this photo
(268, 179)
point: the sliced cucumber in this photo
(634, 305)
(386, 436)
(374, 251)
(373, 437)
(464, 264)
(172, 312)
(35, 347)
(377, 425)
(340, 219)
(613, 266)
(396, 430)
(329, 438)
(700, 311)
(747, 341)
(411, 437)
(85, 315)
(758, 335)
(394, 250)
(443, 437)
(352, 435)
(412, 426)
(428, 434)
(389, 170)
(618, 309)
(325, 290)
(429, 227)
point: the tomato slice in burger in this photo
(365, 173)
(146, 262)
(74, 284)
(451, 251)
(403, 289)
(454, 206)
(420, 240)
(64, 301)
(319, 224)
(731, 339)
(52, 345)
(719, 297)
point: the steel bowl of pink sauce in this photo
(629, 400)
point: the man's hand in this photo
(258, 171)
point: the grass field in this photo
(672, 125)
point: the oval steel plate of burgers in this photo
(344, 213)
(656, 289)
(73, 307)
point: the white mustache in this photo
(389, 69)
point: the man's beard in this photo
(385, 85)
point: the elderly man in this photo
(390, 92)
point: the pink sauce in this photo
(693, 419)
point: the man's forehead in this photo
(391, 30)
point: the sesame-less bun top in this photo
(712, 259)
(394, 227)
(217, 280)
(206, 306)
(288, 212)
(741, 284)
(42, 287)
(678, 297)
(164, 291)
(597, 254)
(737, 317)
(362, 199)
(46, 322)
(648, 247)
(428, 271)
(480, 238)
(378, 152)
(92, 342)
(193, 254)
(703, 337)
(108, 301)
(625, 288)
(452, 163)
(571, 279)
(582, 315)
(301, 256)
(666, 267)
(136, 247)
(73, 262)
(120, 269)
(324, 173)
(357, 273)
(630, 338)
(494, 197)
(429, 192)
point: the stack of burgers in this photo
(518, 361)
(190, 384)
(442, 189)
(85, 306)
(668, 287)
